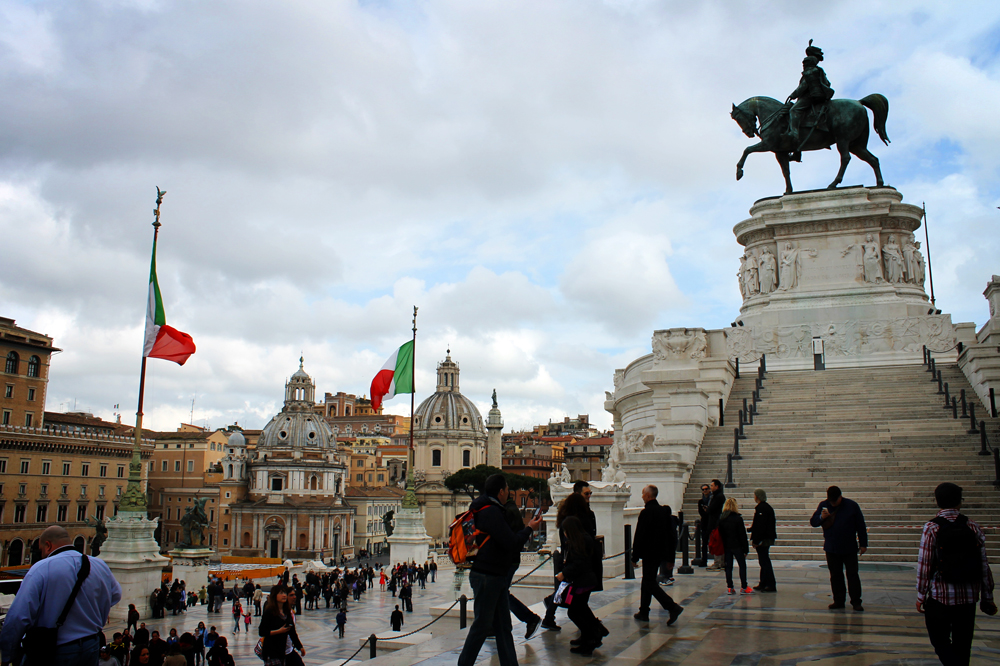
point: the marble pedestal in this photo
(409, 541)
(134, 558)
(191, 565)
(608, 502)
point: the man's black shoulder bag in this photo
(39, 643)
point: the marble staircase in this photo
(881, 434)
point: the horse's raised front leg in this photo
(863, 153)
(845, 157)
(783, 161)
(756, 148)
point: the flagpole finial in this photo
(156, 211)
(414, 319)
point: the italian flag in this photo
(163, 341)
(396, 376)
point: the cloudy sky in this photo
(548, 181)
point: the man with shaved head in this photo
(45, 593)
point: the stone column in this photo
(494, 444)
(134, 558)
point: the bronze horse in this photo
(848, 129)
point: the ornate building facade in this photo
(294, 483)
(449, 434)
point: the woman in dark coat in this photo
(274, 626)
(733, 533)
(581, 557)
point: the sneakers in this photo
(550, 625)
(674, 614)
(730, 591)
(669, 581)
(747, 590)
(532, 628)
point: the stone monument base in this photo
(134, 558)
(191, 566)
(409, 541)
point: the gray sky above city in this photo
(548, 181)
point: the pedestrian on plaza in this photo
(105, 658)
(189, 646)
(953, 573)
(157, 649)
(406, 596)
(202, 595)
(488, 574)
(293, 643)
(141, 635)
(219, 654)
(703, 504)
(127, 642)
(342, 621)
(118, 649)
(396, 619)
(275, 626)
(654, 539)
(733, 532)
(845, 536)
(172, 638)
(763, 533)
(132, 621)
(381, 581)
(580, 561)
(258, 597)
(237, 615)
(576, 504)
(516, 523)
(64, 584)
(246, 620)
(140, 656)
(174, 656)
(199, 643)
(434, 569)
(211, 636)
(715, 508)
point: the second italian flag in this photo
(163, 341)
(395, 377)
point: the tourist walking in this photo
(952, 575)
(845, 536)
(580, 561)
(133, 618)
(342, 621)
(763, 533)
(396, 619)
(258, 597)
(65, 584)
(576, 504)
(654, 538)
(715, 508)
(516, 523)
(703, 504)
(406, 596)
(488, 574)
(733, 532)
(275, 627)
(219, 654)
(237, 615)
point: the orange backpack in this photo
(464, 543)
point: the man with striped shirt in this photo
(947, 592)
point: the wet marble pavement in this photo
(790, 627)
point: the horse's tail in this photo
(880, 107)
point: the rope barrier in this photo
(386, 638)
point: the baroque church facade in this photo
(290, 490)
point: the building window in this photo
(46, 467)
(24, 467)
(34, 363)
(100, 512)
(227, 494)
(81, 513)
(65, 490)
(466, 458)
(225, 542)
(9, 391)
(225, 527)
(164, 466)
(61, 513)
(210, 539)
(13, 361)
(276, 483)
(6, 417)
(211, 516)
(177, 465)
(381, 477)
(103, 471)
(41, 513)
(19, 509)
(190, 465)
(121, 471)
(151, 466)
(100, 491)
(436, 458)
(118, 492)
(3, 465)
(65, 469)
(361, 478)
(28, 418)
(43, 489)
(83, 491)
(85, 469)
(31, 394)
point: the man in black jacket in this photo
(654, 538)
(488, 575)
(714, 513)
(763, 533)
(845, 536)
(531, 620)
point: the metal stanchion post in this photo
(371, 646)
(463, 610)
(722, 413)
(684, 568)
(629, 567)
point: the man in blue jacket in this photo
(489, 574)
(845, 536)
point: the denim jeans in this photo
(83, 652)
(741, 559)
(520, 611)
(492, 612)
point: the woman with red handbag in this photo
(581, 557)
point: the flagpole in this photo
(133, 499)
(927, 240)
(410, 498)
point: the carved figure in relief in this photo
(753, 283)
(741, 276)
(871, 259)
(918, 260)
(791, 266)
(768, 268)
(699, 345)
(679, 344)
(909, 261)
(564, 475)
(893, 258)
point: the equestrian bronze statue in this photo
(813, 122)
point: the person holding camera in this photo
(845, 537)
(952, 574)
(276, 627)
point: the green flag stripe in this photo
(403, 375)
(159, 317)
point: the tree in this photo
(472, 481)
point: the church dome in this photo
(297, 426)
(448, 409)
(237, 440)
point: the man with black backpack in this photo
(952, 574)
